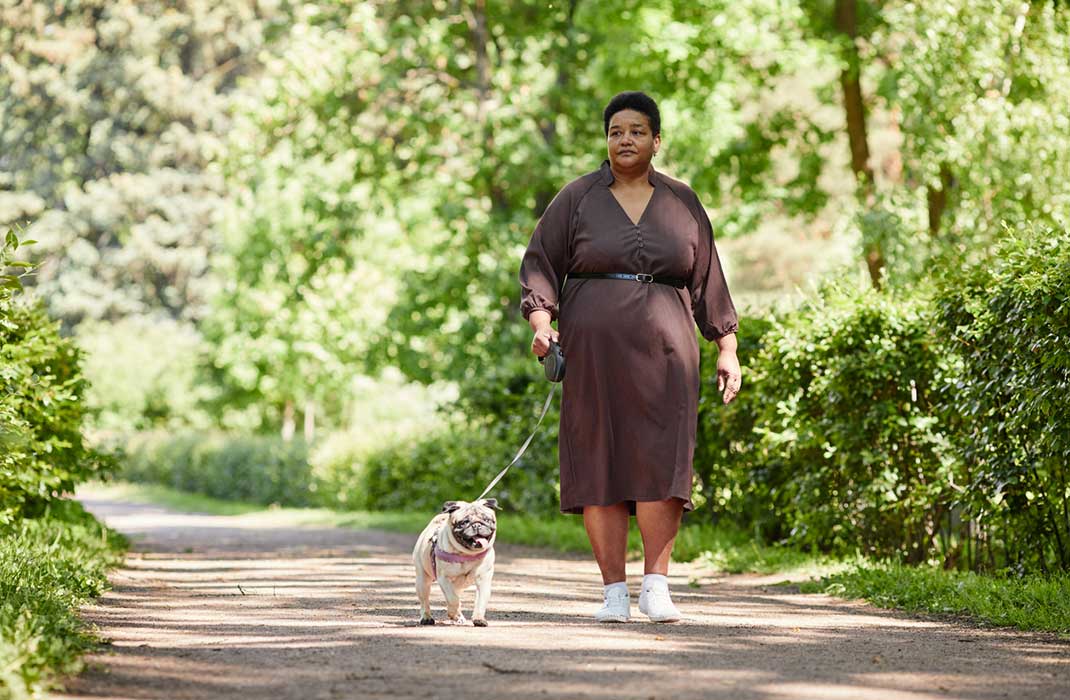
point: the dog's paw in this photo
(480, 622)
(427, 620)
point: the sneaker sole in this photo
(612, 618)
(668, 618)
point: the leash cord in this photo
(524, 447)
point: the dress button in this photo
(640, 244)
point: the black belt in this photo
(640, 277)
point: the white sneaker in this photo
(655, 603)
(617, 606)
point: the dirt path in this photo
(223, 607)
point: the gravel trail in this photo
(238, 607)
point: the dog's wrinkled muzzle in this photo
(476, 536)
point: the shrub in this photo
(836, 443)
(489, 423)
(1009, 321)
(724, 444)
(259, 469)
(42, 452)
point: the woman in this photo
(630, 396)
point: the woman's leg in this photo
(659, 522)
(607, 528)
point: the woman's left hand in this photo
(729, 377)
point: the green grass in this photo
(171, 498)
(49, 566)
(1032, 602)
(722, 549)
(564, 534)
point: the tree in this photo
(113, 113)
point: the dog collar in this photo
(452, 557)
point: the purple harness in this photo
(439, 553)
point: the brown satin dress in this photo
(630, 396)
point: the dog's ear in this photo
(450, 506)
(491, 503)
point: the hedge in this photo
(837, 443)
(1009, 324)
(258, 469)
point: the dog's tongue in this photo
(482, 542)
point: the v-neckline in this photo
(653, 190)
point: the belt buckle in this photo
(644, 278)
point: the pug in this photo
(457, 549)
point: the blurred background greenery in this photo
(283, 239)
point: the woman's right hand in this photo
(540, 344)
(544, 332)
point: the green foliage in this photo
(724, 438)
(113, 114)
(135, 386)
(41, 406)
(973, 86)
(1036, 602)
(837, 442)
(460, 460)
(258, 469)
(1009, 322)
(325, 190)
(49, 567)
(391, 160)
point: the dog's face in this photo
(473, 524)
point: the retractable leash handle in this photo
(524, 447)
(553, 363)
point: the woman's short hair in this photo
(640, 102)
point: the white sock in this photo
(651, 581)
(619, 585)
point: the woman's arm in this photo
(544, 332)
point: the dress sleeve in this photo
(545, 262)
(711, 303)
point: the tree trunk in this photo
(937, 199)
(477, 25)
(555, 102)
(855, 112)
(310, 420)
(288, 424)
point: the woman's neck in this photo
(630, 178)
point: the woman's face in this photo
(631, 141)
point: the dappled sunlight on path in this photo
(235, 607)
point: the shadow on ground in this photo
(207, 609)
